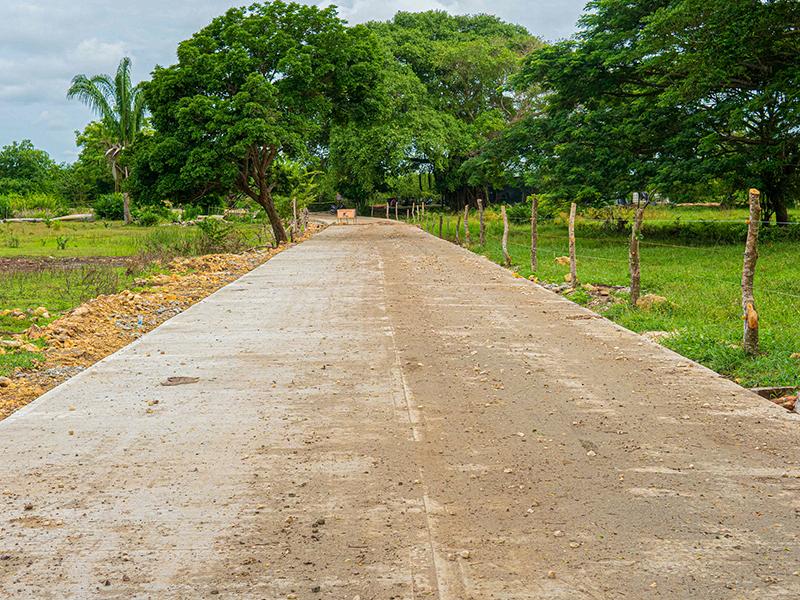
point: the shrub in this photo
(148, 218)
(5, 208)
(109, 207)
(191, 212)
(217, 236)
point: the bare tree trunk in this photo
(750, 316)
(633, 254)
(458, 227)
(506, 256)
(267, 203)
(441, 219)
(126, 208)
(407, 214)
(482, 225)
(294, 219)
(423, 209)
(387, 209)
(466, 225)
(305, 219)
(573, 270)
(395, 211)
(534, 233)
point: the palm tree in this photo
(121, 108)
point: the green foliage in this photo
(663, 96)
(256, 83)
(109, 207)
(5, 208)
(444, 91)
(62, 241)
(148, 218)
(25, 170)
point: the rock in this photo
(589, 287)
(568, 277)
(650, 301)
(657, 336)
(562, 260)
(41, 311)
(5, 382)
(551, 574)
(81, 311)
(11, 343)
(795, 355)
(558, 533)
(464, 554)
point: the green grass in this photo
(60, 289)
(701, 282)
(102, 239)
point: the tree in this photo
(25, 169)
(447, 91)
(121, 107)
(664, 96)
(257, 85)
(733, 65)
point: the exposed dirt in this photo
(105, 324)
(33, 263)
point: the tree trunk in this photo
(268, 204)
(395, 211)
(294, 219)
(126, 208)
(534, 233)
(506, 255)
(749, 314)
(633, 255)
(466, 225)
(774, 202)
(458, 226)
(387, 209)
(573, 270)
(481, 223)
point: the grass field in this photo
(701, 282)
(59, 266)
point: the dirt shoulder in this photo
(107, 323)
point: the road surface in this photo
(383, 415)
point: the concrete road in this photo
(380, 414)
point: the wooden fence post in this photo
(573, 270)
(749, 314)
(633, 254)
(305, 218)
(458, 226)
(441, 219)
(423, 209)
(407, 217)
(466, 225)
(387, 209)
(482, 228)
(395, 210)
(534, 233)
(506, 256)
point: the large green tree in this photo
(734, 65)
(25, 169)
(665, 95)
(121, 107)
(257, 84)
(446, 91)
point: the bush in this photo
(109, 207)
(148, 218)
(191, 212)
(217, 236)
(5, 208)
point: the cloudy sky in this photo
(44, 43)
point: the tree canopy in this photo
(257, 84)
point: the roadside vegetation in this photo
(700, 280)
